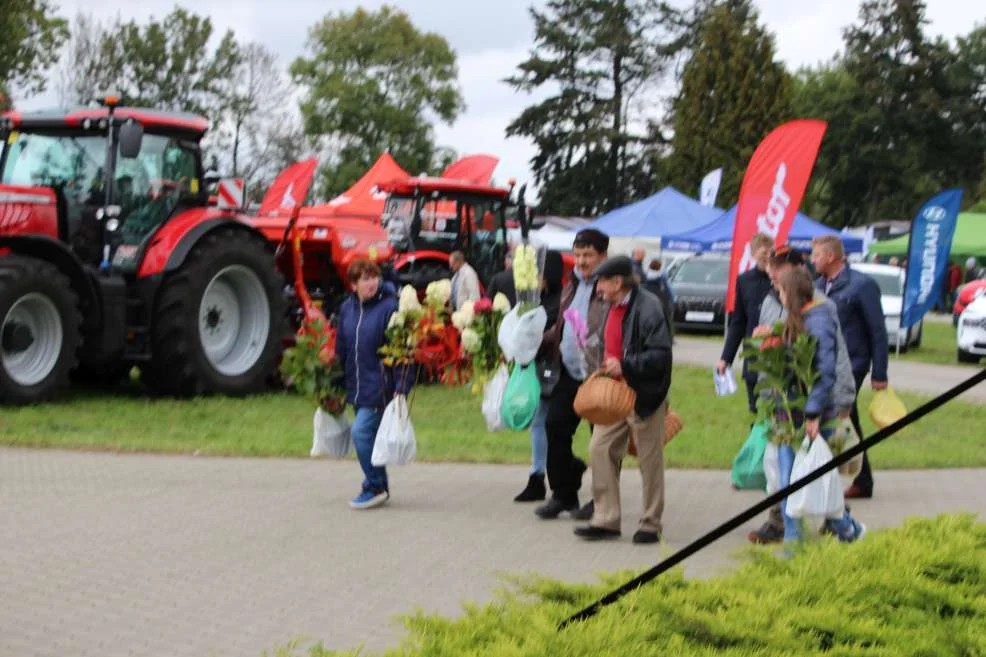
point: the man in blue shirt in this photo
(857, 297)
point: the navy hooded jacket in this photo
(362, 328)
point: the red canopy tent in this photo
(363, 200)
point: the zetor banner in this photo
(773, 185)
(928, 249)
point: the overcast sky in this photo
(491, 38)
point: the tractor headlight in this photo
(348, 241)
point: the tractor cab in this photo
(100, 180)
(426, 219)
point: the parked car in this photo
(966, 294)
(699, 284)
(890, 279)
(971, 335)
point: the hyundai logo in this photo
(935, 213)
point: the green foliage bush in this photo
(915, 591)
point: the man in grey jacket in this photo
(782, 260)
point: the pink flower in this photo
(574, 319)
(483, 305)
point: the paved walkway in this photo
(922, 378)
(112, 555)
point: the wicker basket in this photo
(604, 401)
(672, 425)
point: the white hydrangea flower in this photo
(397, 319)
(409, 300)
(501, 303)
(470, 340)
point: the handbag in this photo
(548, 374)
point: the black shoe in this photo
(591, 533)
(641, 537)
(535, 490)
(766, 535)
(585, 513)
(554, 507)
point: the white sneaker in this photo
(860, 531)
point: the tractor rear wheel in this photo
(39, 330)
(216, 327)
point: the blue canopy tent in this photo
(718, 235)
(665, 213)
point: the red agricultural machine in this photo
(113, 253)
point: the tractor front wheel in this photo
(216, 325)
(39, 330)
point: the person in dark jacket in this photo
(806, 313)
(503, 282)
(751, 288)
(637, 350)
(573, 364)
(657, 284)
(363, 319)
(551, 281)
(857, 297)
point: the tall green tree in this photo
(373, 81)
(902, 133)
(599, 57)
(30, 36)
(733, 92)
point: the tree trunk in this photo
(615, 195)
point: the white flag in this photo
(710, 188)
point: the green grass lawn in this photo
(448, 424)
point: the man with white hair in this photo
(465, 281)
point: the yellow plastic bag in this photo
(886, 408)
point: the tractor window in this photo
(73, 164)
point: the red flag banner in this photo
(289, 189)
(472, 168)
(772, 189)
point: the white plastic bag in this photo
(493, 398)
(520, 335)
(395, 443)
(772, 468)
(823, 497)
(332, 435)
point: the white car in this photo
(971, 334)
(890, 279)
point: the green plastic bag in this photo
(521, 398)
(748, 464)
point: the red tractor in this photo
(111, 254)
(429, 218)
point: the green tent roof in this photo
(969, 240)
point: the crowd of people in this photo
(615, 318)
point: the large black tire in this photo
(226, 290)
(966, 357)
(40, 330)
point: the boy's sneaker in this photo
(369, 499)
(766, 535)
(860, 530)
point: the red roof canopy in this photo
(364, 198)
(149, 118)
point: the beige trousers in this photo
(607, 449)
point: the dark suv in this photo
(699, 286)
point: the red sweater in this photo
(613, 333)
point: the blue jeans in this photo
(364, 432)
(845, 527)
(539, 439)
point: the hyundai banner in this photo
(927, 254)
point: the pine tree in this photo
(600, 55)
(733, 93)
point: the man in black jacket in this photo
(751, 288)
(637, 350)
